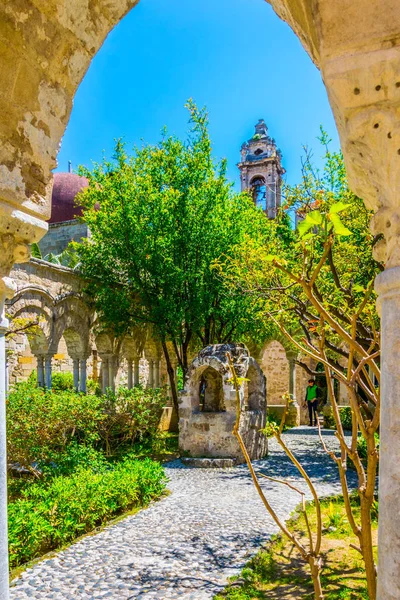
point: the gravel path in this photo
(186, 545)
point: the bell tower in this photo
(261, 170)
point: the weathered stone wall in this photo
(275, 367)
(208, 433)
(60, 235)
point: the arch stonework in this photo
(205, 426)
(45, 50)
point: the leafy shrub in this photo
(345, 417)
(335, 517)
(60, 382)
(41, 423)
(273, 423)
(130, 416)
(362, 446)
(93, 387)
(75, 456)
(48, 516)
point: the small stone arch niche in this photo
(207, 411)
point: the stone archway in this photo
(208, 405)
(46, 49)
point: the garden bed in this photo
(76, 461)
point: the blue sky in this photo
(234, 56)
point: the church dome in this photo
(65, 187)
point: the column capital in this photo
(12, 252)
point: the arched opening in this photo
(320, 380)
(74, 343)
(259, 192)
(211, 395)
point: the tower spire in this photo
(261, 170)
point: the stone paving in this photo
(186, 545)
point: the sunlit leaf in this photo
(339, 228)
(304, 226)
(315, 217)
(338, 207)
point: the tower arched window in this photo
(259, 192)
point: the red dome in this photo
(65, 188)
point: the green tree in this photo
(158, 221)
(319, 285)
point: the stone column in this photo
(294, 409)
(40, 371)
(83, 376)
(104, 372)
(387, 285)
(75, 363)
(111, 373)
(136, 371)
(150, 383)
(95, 374)
(157, 380)
(130, 374)
(47, 371)
(4, 586)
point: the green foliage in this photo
(66, 258)
(75, 456)
(362, 446)
(180, 379)
(35, 251)
(334, 517)
(41, 424)
(93, 387)
(273, 424)
(46, 517)
(54, 431)
(60, 437)
(61, 382)
(170, 213)
(346, 418)
(130, 416)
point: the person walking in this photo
(311, 401)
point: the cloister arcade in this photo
(56, 331)
(45, 50)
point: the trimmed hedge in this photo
(49, 516)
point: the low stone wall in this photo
(293, 416)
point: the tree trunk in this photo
(315, 575)
(366, 547)
(171, 377)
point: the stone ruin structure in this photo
(45, 50)
(208, 405)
